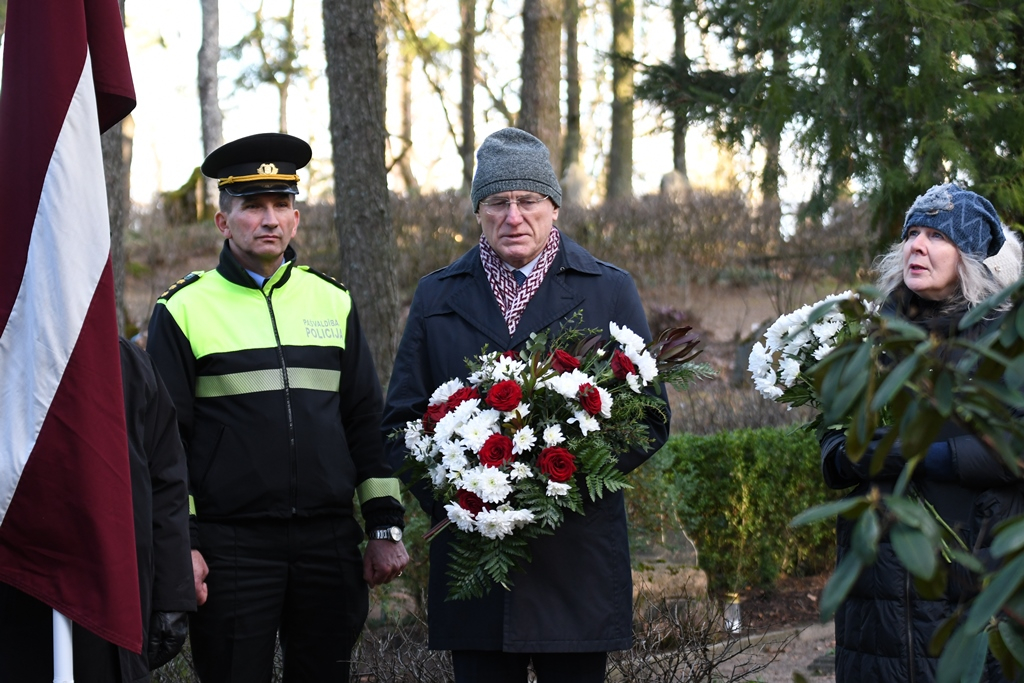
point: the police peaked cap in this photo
(256, 164)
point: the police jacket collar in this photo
(232, 271)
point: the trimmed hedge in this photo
(734, 493)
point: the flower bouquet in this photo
(798, 340)
(530, 433)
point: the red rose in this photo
(496, 451)
(622, 365)
(470, 501)
(433, 416)
(510, 354)
(564, 361)
(558, 463)
(462, 395)
(589, 398)
(504, 395)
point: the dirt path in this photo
(807, 650)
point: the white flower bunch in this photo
(792, 345)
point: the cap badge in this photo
(267, 169)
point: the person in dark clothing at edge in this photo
(279, 409)
(160, 505)
(573, 603)
(932, 277)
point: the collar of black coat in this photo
(571, 256)
(232, 271)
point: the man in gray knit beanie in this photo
(571, 604)
(512, 159)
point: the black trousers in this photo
(301, 579)
(473, 666)
(26, 644)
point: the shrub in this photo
(734, 493)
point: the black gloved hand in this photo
(167, 631)
(892, 464)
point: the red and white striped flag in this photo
(66, 534)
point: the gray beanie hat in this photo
(967, 219)
(511, 160)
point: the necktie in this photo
(520, 277)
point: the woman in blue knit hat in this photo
(932, 277)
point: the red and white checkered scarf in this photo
(512, 299)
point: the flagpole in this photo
(63, 659)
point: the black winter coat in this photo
(884, 626)
(576, 594)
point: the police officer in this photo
(279, 408)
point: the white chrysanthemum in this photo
(790, 368)
(798, 343)
(477, 378)
(494, 523)
(553, 435)
(451, 448)
(823, 351)
(475, 432)
(766, 386)
(646, 366)
(556, 489)
(438, 475)
(521, 410)
(442, 393)
(519, 470)
(446, 426)
(760, 360)
(587, 423)
(523, 440)
(508, 368)
(460, 517)
(826, 330)
(629, 339)
(634, 383)
(455, 461)
(413, 433)
(606, 402)
(568, 384)
(490, 483)
(466, 410)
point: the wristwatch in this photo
(390, 533)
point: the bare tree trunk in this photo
(573, 139)
(405, 87)
(680, 123)
(210, 116)
(362, 215)
(620, 153)
(467, 47)
(540, 67)
(116, 149)
(282, 89)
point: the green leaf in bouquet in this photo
(866, 534)
(1014, 645)
(997, 645)
(943, 394)
(942, 634)
(819, 513)
(1009, 537)
(914, 550)
(906, 476)
(849, 383)
(959, 660)
(913, 515)
(965, 559)
(982, 310)
(933, 587)
(839, 584)
(1004, 583)
(859, 433)
(918, 428)
(898, 377)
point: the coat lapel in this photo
(474, 301)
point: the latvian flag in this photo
(66, 533)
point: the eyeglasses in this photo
(500, 207)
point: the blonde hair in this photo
(975, 282)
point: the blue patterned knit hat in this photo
(967, 219)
